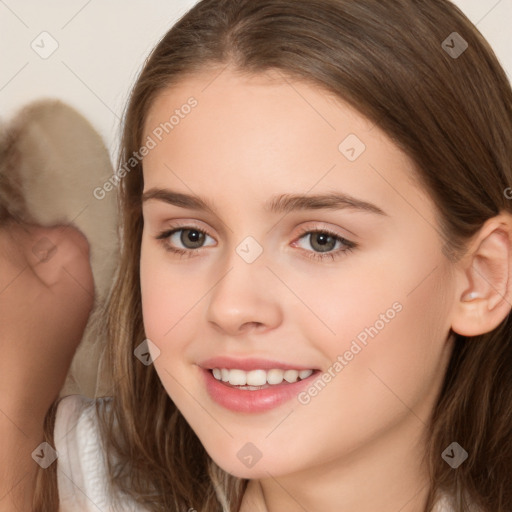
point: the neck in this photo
(387, 474)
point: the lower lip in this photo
(257, 400)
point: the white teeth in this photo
(275, 376)
(304, 374)
(291, 375)
(237, 377)
(256, 378)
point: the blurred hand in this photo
(46, 296)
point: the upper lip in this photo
(249, 364)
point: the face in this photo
(353, 286)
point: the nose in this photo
(244, 299)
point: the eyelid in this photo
(323, 226)
(349, 245)
(186, 224)
(317, 226)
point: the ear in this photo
(484, 279)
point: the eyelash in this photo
(187, 253)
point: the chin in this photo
(262, 468)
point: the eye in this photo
(324, 240)
(191, 237)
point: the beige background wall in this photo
(102, 45)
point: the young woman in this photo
(312, 307)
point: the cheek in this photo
(388, 330)
(390, 341)
(168, 295)
(410, 358)
(385, 364)
(167, 311)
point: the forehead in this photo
(269, 132)
(243, 96)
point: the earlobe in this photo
(484, 293)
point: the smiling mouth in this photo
(256, 390)
(259, 379)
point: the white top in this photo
(81, 464)
(82, 474)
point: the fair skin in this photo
(44, 308)
(357, 446)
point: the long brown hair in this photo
(452, 114)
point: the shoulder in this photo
(82, 474)
(77, 427)
(73, 407)
(447, 503)
(444, 503)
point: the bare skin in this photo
(356, 443)
(45, 303)
(357, 446)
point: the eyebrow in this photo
(283, 203)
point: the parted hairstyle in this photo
(451, 114)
